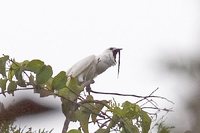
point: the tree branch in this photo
(132, 95)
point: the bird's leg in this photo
(92, 82)
(88, 88)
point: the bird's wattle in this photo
(115, 54)
(115, 51)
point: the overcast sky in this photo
(62, 32)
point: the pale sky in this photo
(63, 32)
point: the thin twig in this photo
(156, 108)
(11, 60)
(153, 92)
(18, 89)
(153, 103)
(132, 95)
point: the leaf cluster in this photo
(9, 127)
(109, 116)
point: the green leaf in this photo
(146, 121)
(113, 122)
(31, 79)
(34, 66)
(12, 87)
(72, 90)
(128, 127)
(118, 111)
(97, 108)
(88, 107)
(18, 74)
(134, 129)
(74, 131)
(73, 85)
(3, 65)
(15, 69)
(49, 84)
(130, 110)
(44, 75)
(74, 116)
(69, 94)
(59, 81)
(21, 83)
(84, 120)
(25, 63)
(84, 113)
(11, 73)
(3, 85)
(64, 92)
(164, 129)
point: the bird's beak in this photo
(118, 49)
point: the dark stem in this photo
(132, 95)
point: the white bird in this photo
(90, 67)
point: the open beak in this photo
(117, 49)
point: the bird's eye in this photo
(111, 48)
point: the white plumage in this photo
(90, 67)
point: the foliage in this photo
(108, 115)
(9, 127)
(163, 129)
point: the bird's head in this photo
(113, 53)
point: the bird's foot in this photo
(92, 82)
(88, 89)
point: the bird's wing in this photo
(81, 66)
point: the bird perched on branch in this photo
(90, 67)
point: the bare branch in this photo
(156, 108)
(132, 95)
